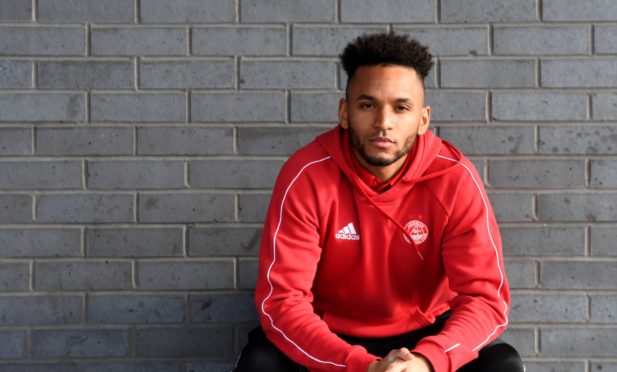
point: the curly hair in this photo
(386, 49)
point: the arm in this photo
(473, 262)
(289, 255)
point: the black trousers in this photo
(260, 355)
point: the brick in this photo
(85, 75)
(605, 39)
(578, 275)
(15, 10)
(42, 107)
(603, 173)
(178, 208)
(145, 41)
(539, 106)
(14, 277)
(603, 240)
(131, 367)
(603, 309)
(253, 207)
(456, 106)
(577, 207)
(238, 107)
(85, 208)
(82, 275)
(388, 11)
(140, 107)
(134, 242)
(185, 342)
(578, 73)
(522, 339)
(82, 343)
(40, 175)
(603, 366)
(450, 41)
(546, 308)
(39, 367)
(247, 273)
(490, 140)
(478, 73)
(326, 40)
(43, 41)
(15, 141)
(40, 242)
(187, 11)
(275, 140)
(510, 206)
(94, 11)
(287, 11)
(469, 11)
(15, 74)
(581, 139)
(187, 74)
(185, 141)
(14, 344)
(303, 107)
(84, 141)
(40, 310)
(543, 241)
(541, 40)
(185, 275)
(539, 174)
(287, 75)
(520, 273)
(210, 366)
(571, 10)
(604, 106)
(223, 308)
(233, 174)
(223, 241)
(555, 366)
(239, 40)
(135, 309)
(15, 208)
(135, 174)
(578, 342)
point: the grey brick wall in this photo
(139, 140)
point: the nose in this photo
(383, 118)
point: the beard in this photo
(380, 161)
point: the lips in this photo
(381, 141)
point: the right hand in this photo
(400, 360)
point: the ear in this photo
(343, 113)
(425, 119)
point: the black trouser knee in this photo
(496, 357)
(260, 355)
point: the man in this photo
(380, 251)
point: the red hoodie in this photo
(337, 257)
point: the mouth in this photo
(382, 142)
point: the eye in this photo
(366, 106)
(402, 108)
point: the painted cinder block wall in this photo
(139, 141)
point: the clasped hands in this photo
(401, 360)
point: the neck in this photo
(384, 173)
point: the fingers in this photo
(405, 354)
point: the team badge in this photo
(417, 230)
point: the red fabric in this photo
(318, 278)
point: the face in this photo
(384, 113)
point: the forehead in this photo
(389, 79)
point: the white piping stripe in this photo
(490, 235)
(452, 348)
(263, 310)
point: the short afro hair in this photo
(386, 49)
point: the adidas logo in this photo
(348, 233)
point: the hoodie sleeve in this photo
(289, 255)
(473, 263)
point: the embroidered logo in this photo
(417, 230)
(348, 233)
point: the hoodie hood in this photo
(422, 167)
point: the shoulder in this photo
(307, 163)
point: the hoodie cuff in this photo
(359, 359)
(435, 355)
